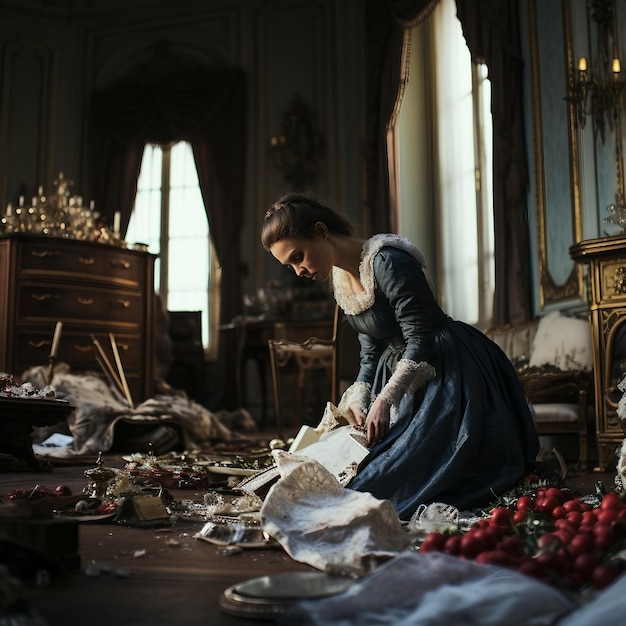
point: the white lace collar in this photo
(354, 303)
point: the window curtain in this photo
(208, 109)
(385, 25)
(491, 30)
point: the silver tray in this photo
(267, 597)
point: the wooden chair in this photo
(339, 356)
(312, 354)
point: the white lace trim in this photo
(354, 303)
(359, 393)
(408, 377)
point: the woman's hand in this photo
(377, 422)
(355, 415)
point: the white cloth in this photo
(321, 523)
(436, 589)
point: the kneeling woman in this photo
(444, 412)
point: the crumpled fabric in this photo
(99, 408)
(436, 589)
(319, 522)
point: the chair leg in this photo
(582, 443)
(276, 388)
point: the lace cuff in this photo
(335, 416)
(408, 378)
(359, 393)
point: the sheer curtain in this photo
(454, 136)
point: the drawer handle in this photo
(43, 254)
(123, 303)
(120, 263)
(82, 348)
(43, 297)
(86, 260)
(85, 301)
(39, 344)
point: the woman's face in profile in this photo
(309, 258)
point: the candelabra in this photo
(597, 90)
(59, 214)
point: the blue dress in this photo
(463, 437)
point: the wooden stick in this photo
(106, 365)
(120, 369)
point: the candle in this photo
(92, 205)
(616, 68)
(116, 222)
(56, 339)
(582, 64)
(9, 209)
(21, 200)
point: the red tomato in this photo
(608, 516)
(519, 517)
(433, 541)
(557, 494)
(574, 518)
(573, 505)
(549, 541)
(589, 518)
(567, 526)
(524, 503)
(496, 557)
(585, 563)
(559, 512)
(552, 561)
(452, 545)
(611, 501)
(581, 543)
(603, 575)
(604, 535)
(512, 545)
(501, 516)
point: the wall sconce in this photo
(598, 91)
(297, 151)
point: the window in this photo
(444, 130)
(169, 215)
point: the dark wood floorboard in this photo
(168, 582)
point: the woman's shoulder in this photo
(389, 246)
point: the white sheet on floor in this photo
(436, 589)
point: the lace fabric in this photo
(354, 303)
(408, 377)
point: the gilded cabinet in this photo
(606, 258)
(93, 289)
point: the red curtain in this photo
(208, 109)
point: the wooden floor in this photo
(155, 576)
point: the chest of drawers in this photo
(93, 289)
(606, 292)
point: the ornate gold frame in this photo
(549, 291)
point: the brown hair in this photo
(295, 216)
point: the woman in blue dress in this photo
(444, 412)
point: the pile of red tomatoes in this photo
(550, 534)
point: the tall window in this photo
(444, 153)
(464, 143)
(170, 217)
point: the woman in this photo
(445, 415)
